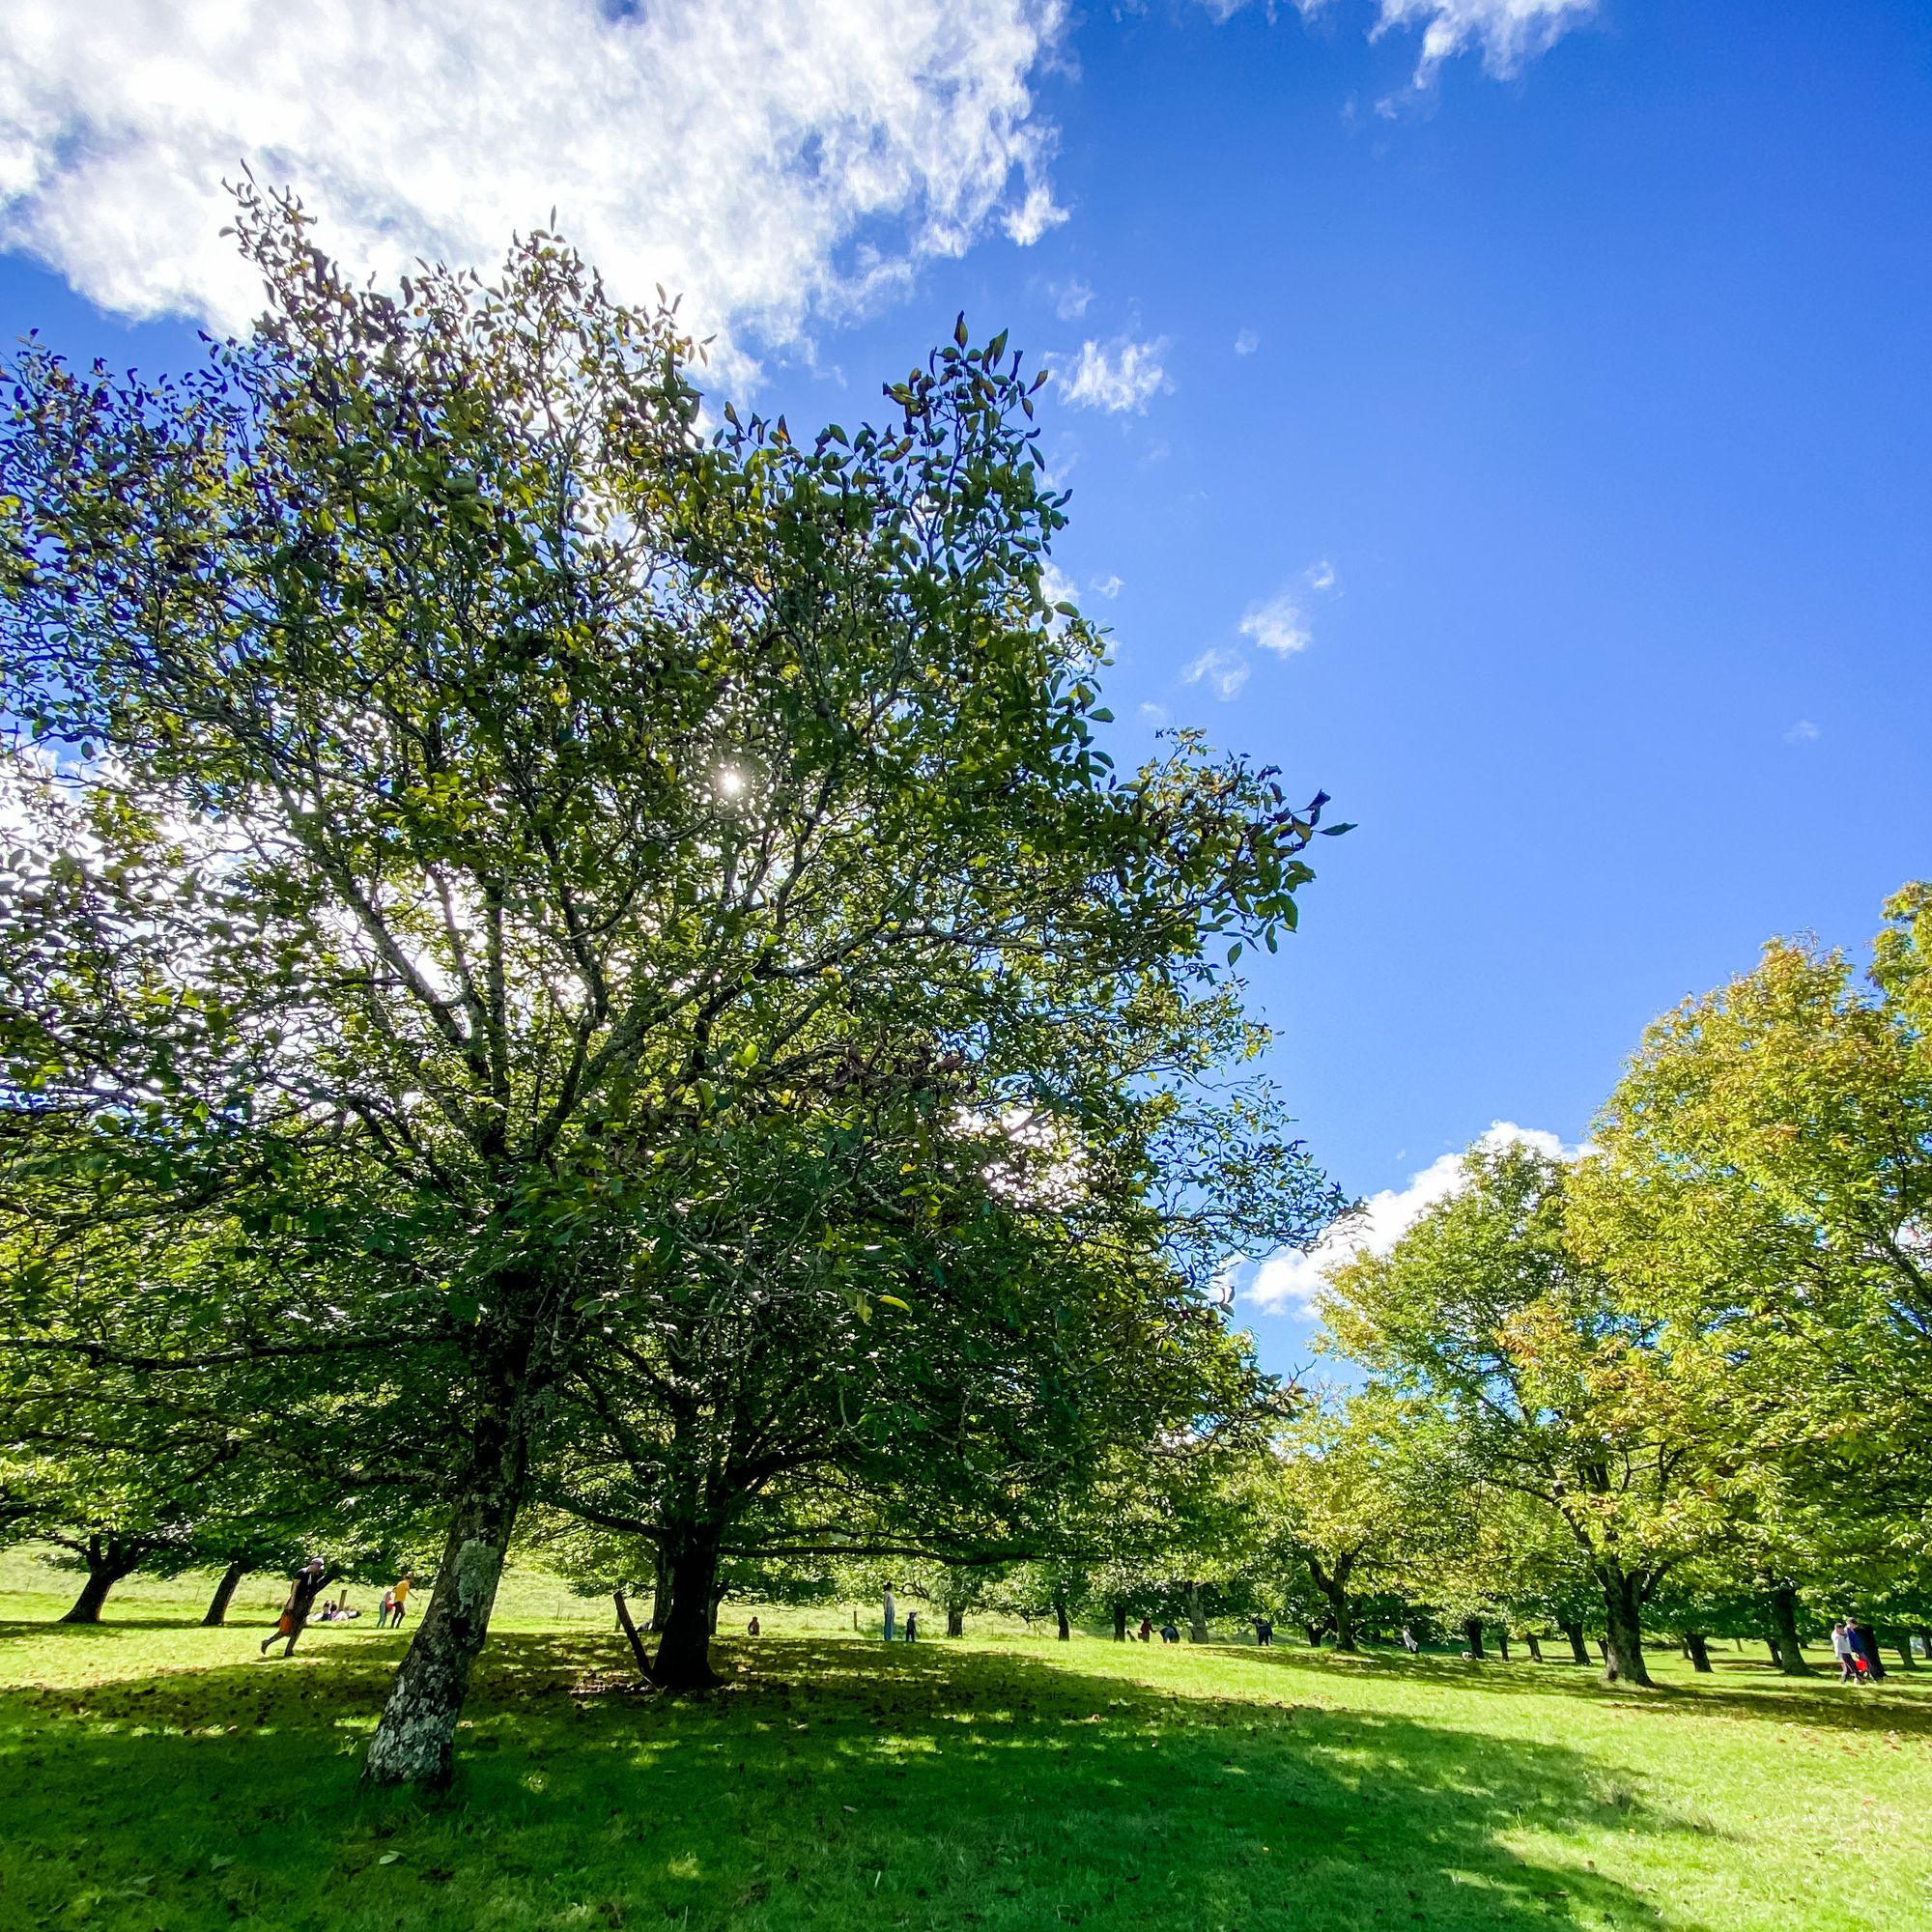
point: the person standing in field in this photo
(307, 1587)
(892, 1612)
(912, 1627)
(1841, 1648)
(399, 1597)
(1865, 1641)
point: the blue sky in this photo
(1527, 446)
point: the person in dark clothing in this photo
(1865, 1641)
(1144, 1634)
(308, 1585)
(1263, 1631)
(912, 1626)
(1169, 1633)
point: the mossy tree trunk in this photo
(224, 1595)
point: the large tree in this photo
(457, 789)
(1552, 1384)
(1764, 1176)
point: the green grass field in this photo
(154, 1775)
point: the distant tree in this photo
(1764, 1180)
(1555, 1388)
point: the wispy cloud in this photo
(1291, 1280)
(1155, 714)
(740, 156)
(1224, 673)
(1117, 376)
(1108, 587)
(1279, 625)
(1509, 34)
(1247, 342)
(1071, 299)
(1320, 574)
(1802, 733)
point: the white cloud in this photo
(1802, 733)
(1108, 587)
(1117, 376)
(1035, 216)
(770, 159)
(1320, 574)
(1247, 342)
(1056, 587)
(1289, 1279)
(1279, 625)
(1155, 714)
(1509, 33)
(1223, 671)
(1071, 299)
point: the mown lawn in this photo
(154, 1776)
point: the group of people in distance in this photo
(298, 1607)
(1856, 1647)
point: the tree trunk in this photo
(224, 1595)
(1784, 1647)
(93, 1593)
(1579, 1651)
(1065, 1629)
(717, 1604)
(416, 1739)
(1334, 1585)
(631, 1635)
(660, 1589)
(1623, 1627)
(1924, 1637)
(1197, 1617)
(1503, 1643)
(1698, 1652)
(1903, 1645)
(1119, 1622)
(1535, 1645)
(1315, 1634)
(1472, 1635)
(682, 1662)
(955, 1622)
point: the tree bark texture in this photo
(1197, 1616)
(1903, 1645)
(682, 1662)
(1698, 1651)
(1120, 1623)
(1535, 1645)
(1065, 1630)
(1785, 1649)
(1579, 1651)
(108, 1562)
(955, 1623)
(224, 1595)
(631, 1637)
(1472, 1637)
(1503, 1643)
(416, 1739)
(1623, 1627)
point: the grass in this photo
(153, 1776)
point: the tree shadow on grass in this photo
(828, 1783)
(1821, 1702)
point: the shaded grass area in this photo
(155, 1777)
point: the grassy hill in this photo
(155, 1777)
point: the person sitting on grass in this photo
(1169, 1633)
